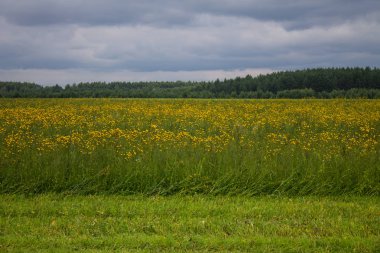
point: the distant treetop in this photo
(317, 82)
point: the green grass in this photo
(61, 223)
(332, 155)
(204, 176)
(301, 147)
(168, 172)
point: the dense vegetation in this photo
(319, 83)
(201, 175)
(170, 146)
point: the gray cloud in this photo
(219, 36)
(297, 13)
(93, 12)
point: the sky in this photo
(69, 41)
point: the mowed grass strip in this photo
(54, 223)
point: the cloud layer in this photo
(181, 40)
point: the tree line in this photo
(319, 83)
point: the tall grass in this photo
(228, 151)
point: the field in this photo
(57, 223)
(221, 175)
(293, 147)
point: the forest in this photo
(307, 83)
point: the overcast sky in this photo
(66, 41)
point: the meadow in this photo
(215, 147)
(176, 175)
(115, 223)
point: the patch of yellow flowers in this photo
(132, 127)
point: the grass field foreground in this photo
(58, 223)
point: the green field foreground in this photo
(59, 223)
